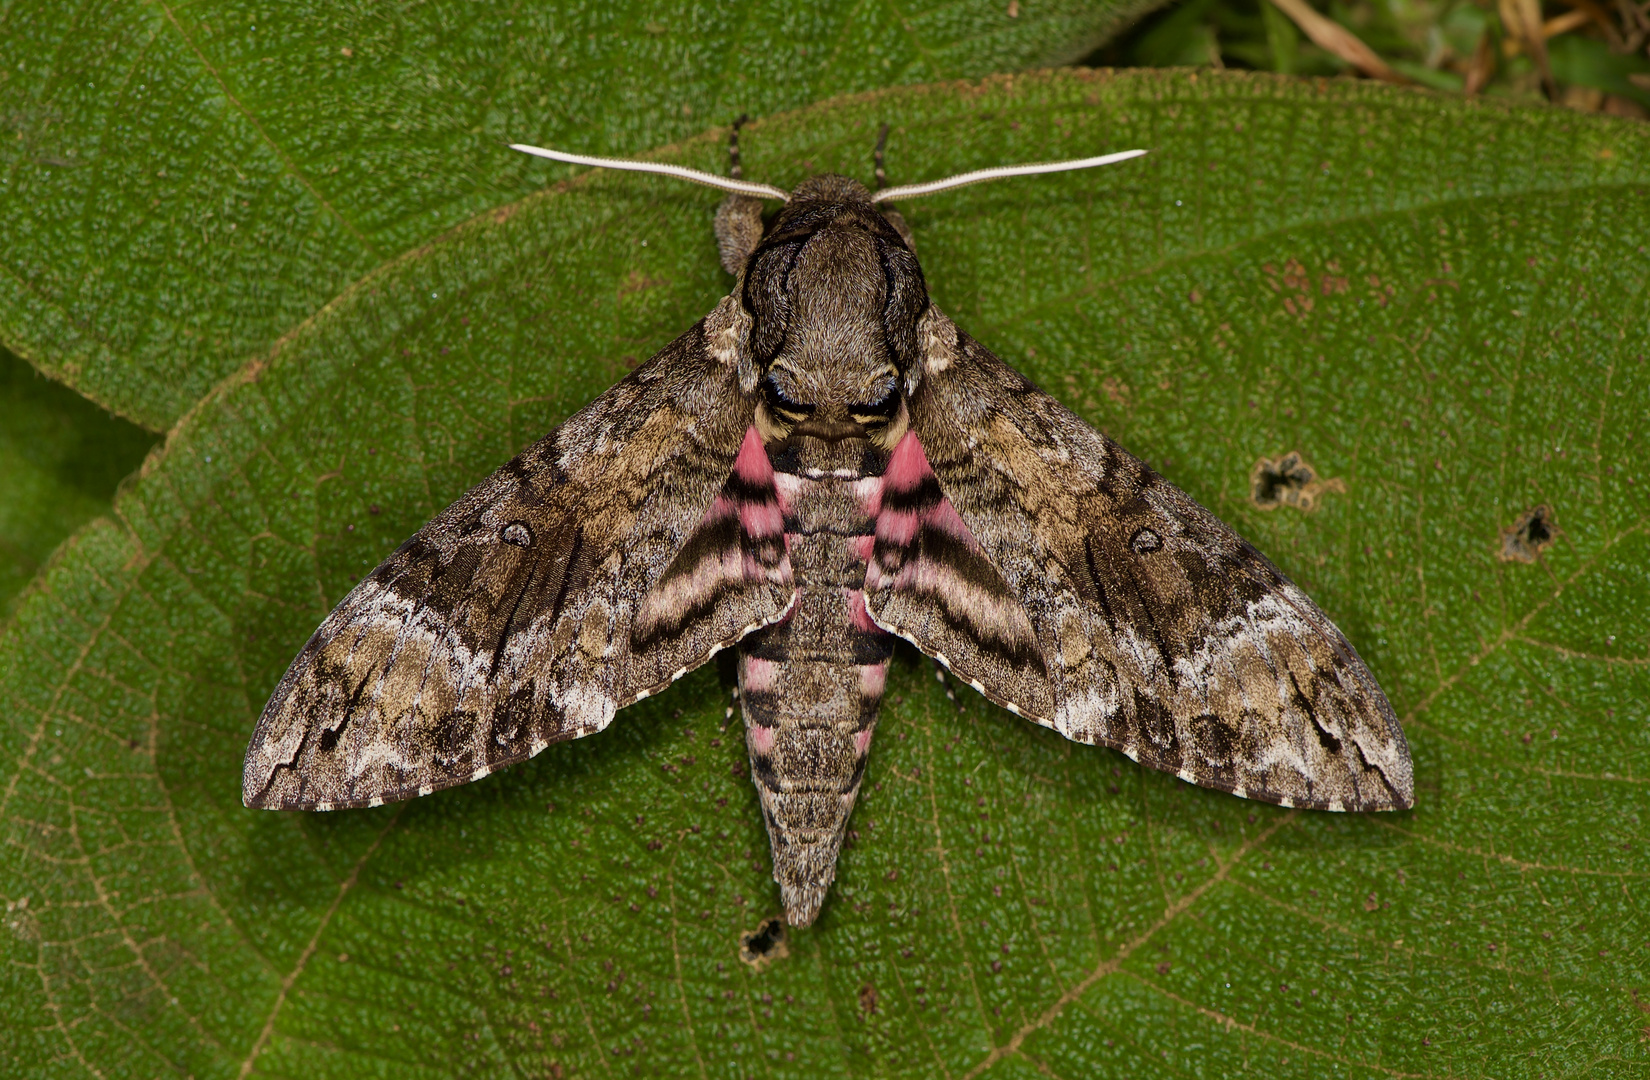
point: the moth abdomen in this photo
(811, 684)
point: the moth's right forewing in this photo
(1163, 633)
(508, 622)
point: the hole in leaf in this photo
(765, 944)
(1290, 480)
(1529, 536)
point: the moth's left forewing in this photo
(511, 620)
(1162, 633)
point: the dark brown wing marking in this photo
(1163, 633)
(506, 623)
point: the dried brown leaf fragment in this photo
(1337, 39)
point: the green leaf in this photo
(1441, 305)
(60, 459)
(1582, 61)
(182, 184)
(1283, 38)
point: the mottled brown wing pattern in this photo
(1163, 633)
(530, 609)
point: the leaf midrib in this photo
(287, 163)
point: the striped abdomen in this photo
(811, 684)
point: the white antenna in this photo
(681, 172)
(767, 191)
(911, 191)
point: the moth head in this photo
(833, 290)
(834, 294)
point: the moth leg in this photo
(894, 217)
(949, 683)
(739, 218)
(736, 170)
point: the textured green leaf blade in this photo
(1280, 274)
(60, 459)
(182, 184)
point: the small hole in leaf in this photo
(1529, 536)
(1290, 480)
(765, 944)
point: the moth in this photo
(821, 465)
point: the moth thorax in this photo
(846, 458)
(834, 269)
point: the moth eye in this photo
(877, 412)
(788, 409)
(1145, 540)
(884, 408)
(518, 534)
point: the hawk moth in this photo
(825, 463)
